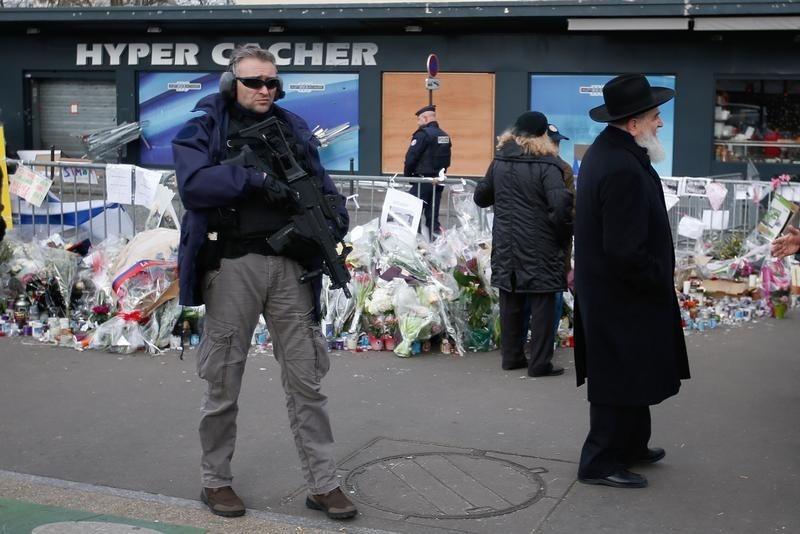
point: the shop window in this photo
(566, 100)
(757, 120)
(327, 101)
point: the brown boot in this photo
(334, 503)
(223, 501)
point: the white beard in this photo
(655, 150)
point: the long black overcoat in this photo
(628, 335)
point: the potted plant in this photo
(375, 331)
(389, 332)
(780, 303)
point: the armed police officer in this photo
(226, 262)
(427, 155)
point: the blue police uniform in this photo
(428, 153)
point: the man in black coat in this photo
(628, 335)
(428, 153)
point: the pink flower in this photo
(780, 180)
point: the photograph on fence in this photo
(671, 185)
(777, 216)
(694, 187)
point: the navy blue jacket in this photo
(428, 152)
(204, 184)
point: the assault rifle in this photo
(314, 210)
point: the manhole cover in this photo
(445, 485)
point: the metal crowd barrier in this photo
(365, 196)
(738, 214)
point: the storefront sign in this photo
(188, 54)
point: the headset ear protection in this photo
(280, 93)
(227, 87)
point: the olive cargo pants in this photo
(235, 295)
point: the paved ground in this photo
(431, 444)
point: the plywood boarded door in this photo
(464, 109)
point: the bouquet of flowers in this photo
(100, 313)
(361, 286)
(775, 283)
(476, 304)
(416, 320)
(477, 299)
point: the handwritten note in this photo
(80, 175)
(119, 187)
(29, 185)
(146, 184)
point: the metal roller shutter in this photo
(71, 108)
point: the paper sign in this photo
(716, 220)
(118, 183)
(791, 192)
(30, 185)
(691, 227)
(146, 184)
(402, 211)
(79, 175)
(741, 191)
(162, 205)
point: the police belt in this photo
(230, 247)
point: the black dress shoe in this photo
(650, 457)
(518, 365)
(554, 371)
(619, 479)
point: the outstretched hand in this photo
(787, 244)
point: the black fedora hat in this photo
(627, 95)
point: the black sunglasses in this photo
(258, 83)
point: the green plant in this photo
(731, 247)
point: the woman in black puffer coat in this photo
(531, 230)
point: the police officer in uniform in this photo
(225, 261)
(428, 153)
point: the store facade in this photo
(358, 74)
